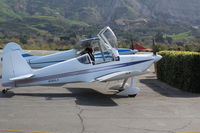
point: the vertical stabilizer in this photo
(12, 46)
(15, 67)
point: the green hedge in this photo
(180, 69)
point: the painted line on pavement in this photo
(21, 131)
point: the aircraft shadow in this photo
(47, 96)
(166, 90)
(84, 96)
(90, 97)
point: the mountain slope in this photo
(62, 17)
(103, 11)
(183, 11)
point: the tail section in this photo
(12, 46)
(15, 67)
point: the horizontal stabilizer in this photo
(22, 77)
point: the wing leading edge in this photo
(121, 75)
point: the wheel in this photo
(4, 91)
(120, 90)
(134, 95)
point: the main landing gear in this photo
(4, 91)
(131, 91)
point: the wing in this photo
(120, 75)
(114, 76)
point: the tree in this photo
(23, 39)
(169, 40)
(159, 37)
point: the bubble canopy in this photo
(104, 45)
(108, 36)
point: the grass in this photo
(131, 11)
(40, 54)
(42, 32)
(9, 13)
(180, 36)
(54, 20)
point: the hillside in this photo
(64, 18)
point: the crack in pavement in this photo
(81, 119)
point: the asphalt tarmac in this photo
(93, 108)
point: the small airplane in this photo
(43, 61)
(108, 65)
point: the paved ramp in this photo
(93, 108)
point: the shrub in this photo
(180, 69)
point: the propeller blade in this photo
(154, 47)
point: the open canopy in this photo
(108, 37)
(104, 46)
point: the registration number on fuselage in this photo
(53, 80)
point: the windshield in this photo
(111, 38)
(84, 59)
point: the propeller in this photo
(155, 50)
(154, 47)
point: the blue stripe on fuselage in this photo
(47, 62)
(124, 50)
(26, 55)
